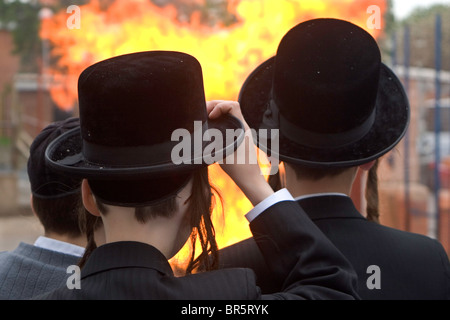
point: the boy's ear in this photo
(367, 166)
(89, 199)
(32, 206)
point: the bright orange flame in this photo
(227, 53)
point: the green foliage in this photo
(5, 141)
(389, 18)
(22, 18)
(422, 24)
(426, 14)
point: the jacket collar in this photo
(329, 207)
(125, 254)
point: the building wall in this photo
(9, 66)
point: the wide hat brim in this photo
(65, 154)
(390, 125)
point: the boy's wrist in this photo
(256, 190)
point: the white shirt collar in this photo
(279, 196)
(320, 195)
(59, 246)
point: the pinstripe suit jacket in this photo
(309, 263)
(28, 271)
(412, 266)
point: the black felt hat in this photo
(47, 183)
(130, 107)
(327, 91)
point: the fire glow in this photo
(228, 52)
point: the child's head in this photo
(193, 203)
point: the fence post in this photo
(394, 49)
(437, 121)
(406, 62)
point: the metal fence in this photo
(426, 146)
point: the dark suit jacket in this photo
(311, 269)
(412, 267)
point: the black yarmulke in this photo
(45, 182)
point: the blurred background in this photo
(44, 46)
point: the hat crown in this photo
(139, 99)
(326, 76)
(133, 109)
(333, 101)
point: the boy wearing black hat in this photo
(31, 270)
(338, 108)
(130, 106)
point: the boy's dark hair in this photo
(314, 173)
(56, 197)
(305, 172)
(59, 215)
